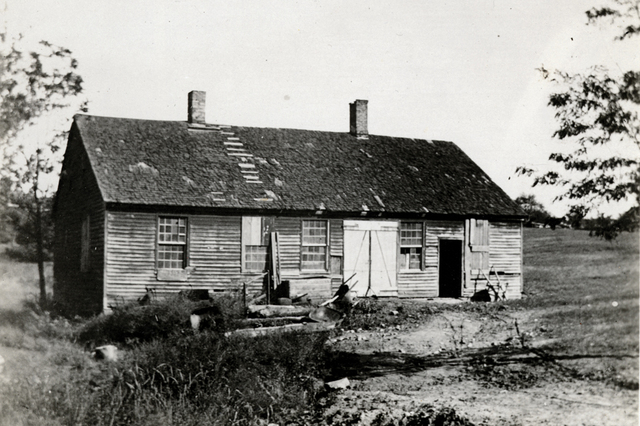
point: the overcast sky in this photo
(463, 71)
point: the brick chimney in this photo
(358, 118)
(197, 101)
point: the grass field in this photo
(579, 317)
(19, 282)
(584, 294)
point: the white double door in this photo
(370, 252)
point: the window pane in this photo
(411, 234)
(171, 257)
(314, 232)
(255, 258)
(172, 230)
(314, 244)
(411, 257)
(314, 257)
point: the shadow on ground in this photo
(364, 366)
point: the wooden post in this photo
(244, 296)
(369, 285)
(268, 289)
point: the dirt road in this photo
(474, 364)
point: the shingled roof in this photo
(174, 163)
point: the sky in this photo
(462, 71)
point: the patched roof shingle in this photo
(169, 163)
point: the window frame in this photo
(405, 258)
(247, 239)
(303, 245)
(184, 244)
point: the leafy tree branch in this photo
(597, 114)
(33, 83)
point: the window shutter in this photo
(251, 231)
(479, 243)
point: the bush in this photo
(132, 324)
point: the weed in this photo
(371, 314)
(425, 415)
(506, 376)
(180, 380)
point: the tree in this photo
(33, 83)
(608, 229)
(534, 209)
(21, 217)
(598, 112)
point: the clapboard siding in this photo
(289, 231)
(336, 238)
(215, 252)
(78, 197)
(130, 255)
(425, 283)
(505, 255)
(215, 257)
(505, 262)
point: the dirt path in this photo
(476, 365)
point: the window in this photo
(314, 245)
(411, 245)
(255, 241)
(172, 243)
(85, 242)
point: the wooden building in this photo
(173, 205)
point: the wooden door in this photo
(450, 268)
(370, 252)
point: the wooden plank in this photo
(311, 327)
(316, 288)
(336, 236)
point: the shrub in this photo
(132, 324)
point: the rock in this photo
(195, 321)
(106, 352)
(394, 313)
(339, 384)
(1, 364)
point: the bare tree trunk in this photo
(39, 235)
(40, 249)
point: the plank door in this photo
(450, 268)
(370, 252)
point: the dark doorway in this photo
(450, 271)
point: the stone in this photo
(106, 352)
(339, 384)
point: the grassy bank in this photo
(165, 375)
